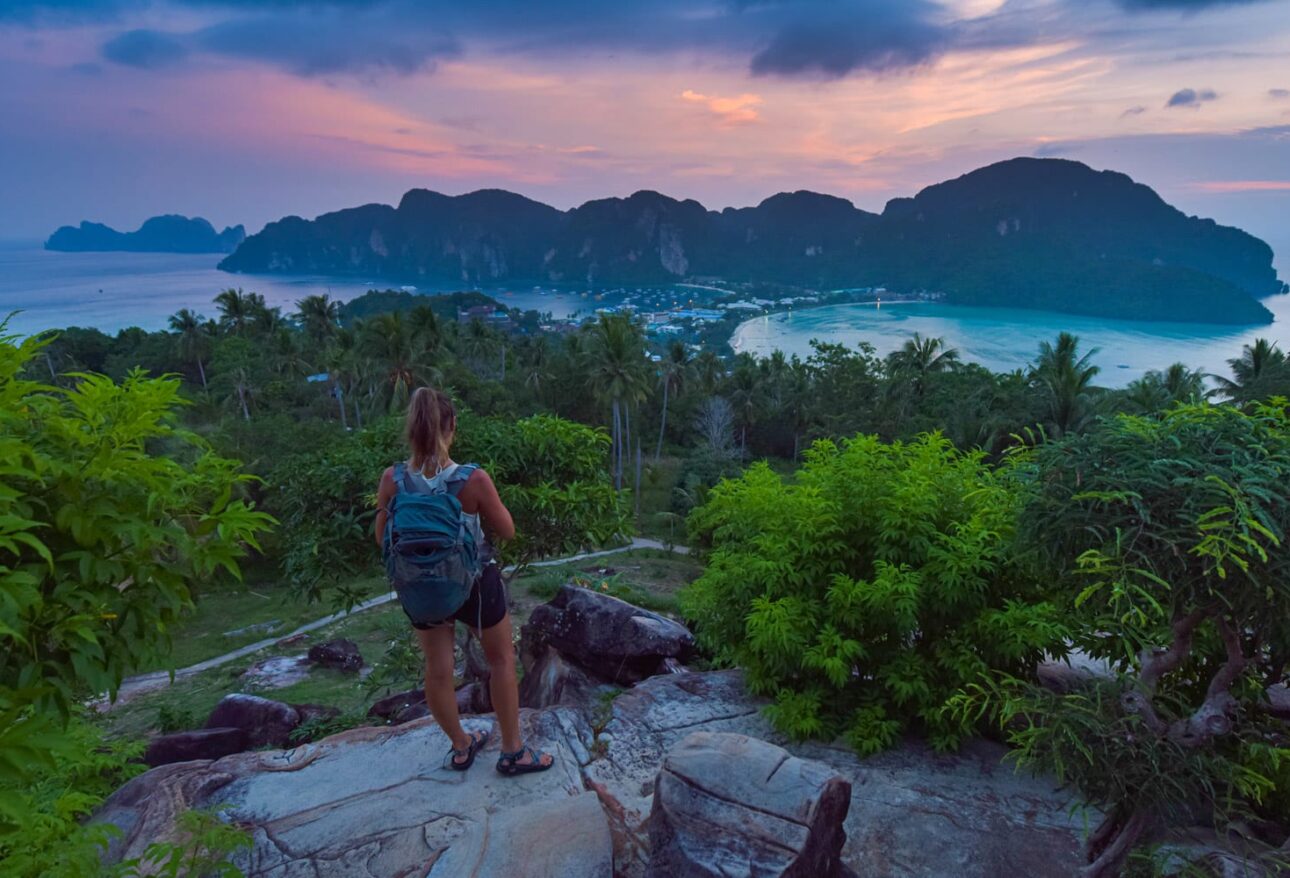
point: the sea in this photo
(42, 289)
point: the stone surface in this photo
(617, 641)
(391, 705)
(474, 698)
(1077, 671)
(277, 672)
(914, 813)
(195, 744)
(343, 655)
(266, 723)
(1279, 701)
(553, 679)
(376, 802)
(727, 804)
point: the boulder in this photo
(266, 723)
(474, 698)
(277, 672)
(1075, 672)
(727, 805)
(392, 705)
(376, 802)
(616, 641)
(196, 744)
(311, 712)
(1279, 701)
(343, 655)
(553, 679)
(914, 813)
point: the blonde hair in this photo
(431, 421)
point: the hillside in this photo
(1027, 233)
(160, 234)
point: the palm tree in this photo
(708, 370)
(1066, 379)
(285, 355)
(194, 338)
(921, 357)
(534, 358)
(1259, 366)
(1157, 391)
(398, 355)
(478, 344)
(672, 375)
(616, 373)
(235, 309)
(425, 326)
(320, 317)
(745, 395)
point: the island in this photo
(1040, 233)
(160, 234)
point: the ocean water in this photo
(111, 291)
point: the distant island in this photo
(161, 234)
(1025, 233)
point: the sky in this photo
(243, 111)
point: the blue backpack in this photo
(432, 553)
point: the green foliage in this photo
(322, 726)
(176, 718)
(203, 851)
(865, 594)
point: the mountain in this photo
(161, 234)
(1024, 233)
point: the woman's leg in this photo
(504, 686)
(437, 644)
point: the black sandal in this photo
(477, 741)
(509, 763)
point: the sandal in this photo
(477, 741)
(509, 764)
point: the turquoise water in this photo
(115, 290)
(1004, 339)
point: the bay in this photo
(111, 291)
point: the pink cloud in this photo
(731, 111)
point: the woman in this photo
(431, 428)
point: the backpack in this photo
(432, 551)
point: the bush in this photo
(1169, 536)
(865, 594)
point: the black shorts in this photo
(484, 608)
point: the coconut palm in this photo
(535, 359)
(235, 309)
(319, 315)
(917, 359)
(398, 355)
(616, 372)
(1259, 370)
(194, 338)
(1157, 391)
(708, 370)
(746, 395)
(672, 375)
(1066, 380)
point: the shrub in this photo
(1169, 535)
(864, 595)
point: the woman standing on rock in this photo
(457, 499)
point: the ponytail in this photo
(431, 418)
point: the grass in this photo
(646, 577)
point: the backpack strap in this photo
(400, 477)
(459, 477)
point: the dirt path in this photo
(132, 687)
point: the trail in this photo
(132, 687)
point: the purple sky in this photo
(241, 111)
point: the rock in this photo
(555, 680)
(420, 710)
(474, 698)
(342, 655)
(1279, 701)
(1077, 671)
(729, 805)
(266, 723)
(196, 744)
(914, 813)
(616, 641)
(391, 705)
(277, 672)
(562, 839)
(375, 802)
(311, 712)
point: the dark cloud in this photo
(1134, 111)
(146, 49)
(1279, 94)
(325, 43)
(1190, 97)
(870, 36)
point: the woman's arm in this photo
(481, 494)
(384, 494)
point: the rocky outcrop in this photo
(732, 805)
(914, 813)
(343, 655)
(553, 679)
(266, 723)
(616, 641)
(196, 744)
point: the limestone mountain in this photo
(160, 234)
(1026, 233)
